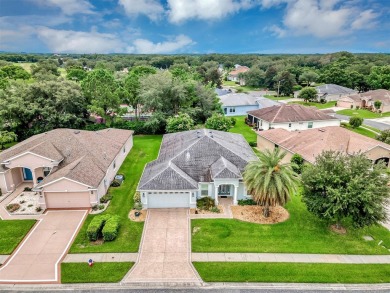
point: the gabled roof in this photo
(242, 99)
(238, 70)
(375, 95)
(221, 92)
(193, 153)
(311, 142)
(334, 89)
(290, 113)
(84, 156)
(222, 168)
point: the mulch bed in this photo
(140, 218)
(254, 214)
(206, 212)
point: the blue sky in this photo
(194, 26)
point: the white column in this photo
(35, 182)
(216, 195)
(235, 195)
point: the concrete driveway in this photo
(165, 249)
(37, 258)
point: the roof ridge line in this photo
(277, 113)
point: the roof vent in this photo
(188, 156)
(198, 133)
(76, 131)
(211, 133)
(321, 129)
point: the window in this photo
(310, 125)
(225, 110)
(224, 190)
(289, 125)
(204, 190)
(232, 110)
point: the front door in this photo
(27, 174)
(224, 190)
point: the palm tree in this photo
(269, 181)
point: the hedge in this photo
(95, 227)
(111, 228)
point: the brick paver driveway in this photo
(165, 249)
(37, 258)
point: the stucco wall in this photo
(30, 161)
(345, 104)
(264, 144)
(377, 153)
(298, 125)
(239, 110)
(17, 176)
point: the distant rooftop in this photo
(334, 89)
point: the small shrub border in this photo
(13, 207)
(111, 228)
(95, 227)
(246, 202)
(105, 198)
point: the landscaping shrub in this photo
(355, 122)
(297, 163)
(101, 207)
(27, 189)
(344, 124)
(246, 202)
(105, 198)
(38, 209)
(234, 121)
(205, 203)
(111, 228)
(115, 183)
(297, 87)
(253, 144)
(138, 206)
(95, 127)
(95, 227)
(137, 197)
(137, 126)
(322, 101)
(215, 210)
(13, 207)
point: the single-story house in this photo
(234, 74)
(333, 92)
(312, 142)
(291, 117)
(69, 168)
(195, 164)
(239, 103)
(366, 100)
(222, 91)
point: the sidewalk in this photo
(290, 257)
(101, 257)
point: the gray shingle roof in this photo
(84, 155)
(194, 152)
(241, 99)
(222, 168)
(334, 89)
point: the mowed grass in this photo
(318, 105)
(293, 272)
(12, 232)
(145, 149)
(362, 131)
(242, 128)
(104, 272)
(366, 114)
(276, 98)
(301, 233)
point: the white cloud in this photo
(151, 8)
(67, 41)
(69, 7)
(143, 46)
(182, 10)
(320, 18)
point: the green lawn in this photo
(12, 232)
(318, 105)
(293, 272)
(372, 128)
(145, 149)
(244, 129)
(229, 83)
(103, 272)
(301, 233)
(362, 113)
(362, 131)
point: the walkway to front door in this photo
(165, 249)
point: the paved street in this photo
(369, 122)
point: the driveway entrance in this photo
(37, 258)
(165, 249)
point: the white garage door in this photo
(168, 200)
(58, 200)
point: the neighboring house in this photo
(312, 142)
(235, 104)
(291, 117)
(333, 92)
(194, 164)
(69, 168)
(366, 100)
(234, 75)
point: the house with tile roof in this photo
(194, 164)
(234, 75)
(291, 117)
(234, 104)
(366, 100)
(333, 92)
(312, 142)
(69, 168)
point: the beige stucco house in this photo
(69, 168)
(366, 100)
(290, 117)
(312, 142)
